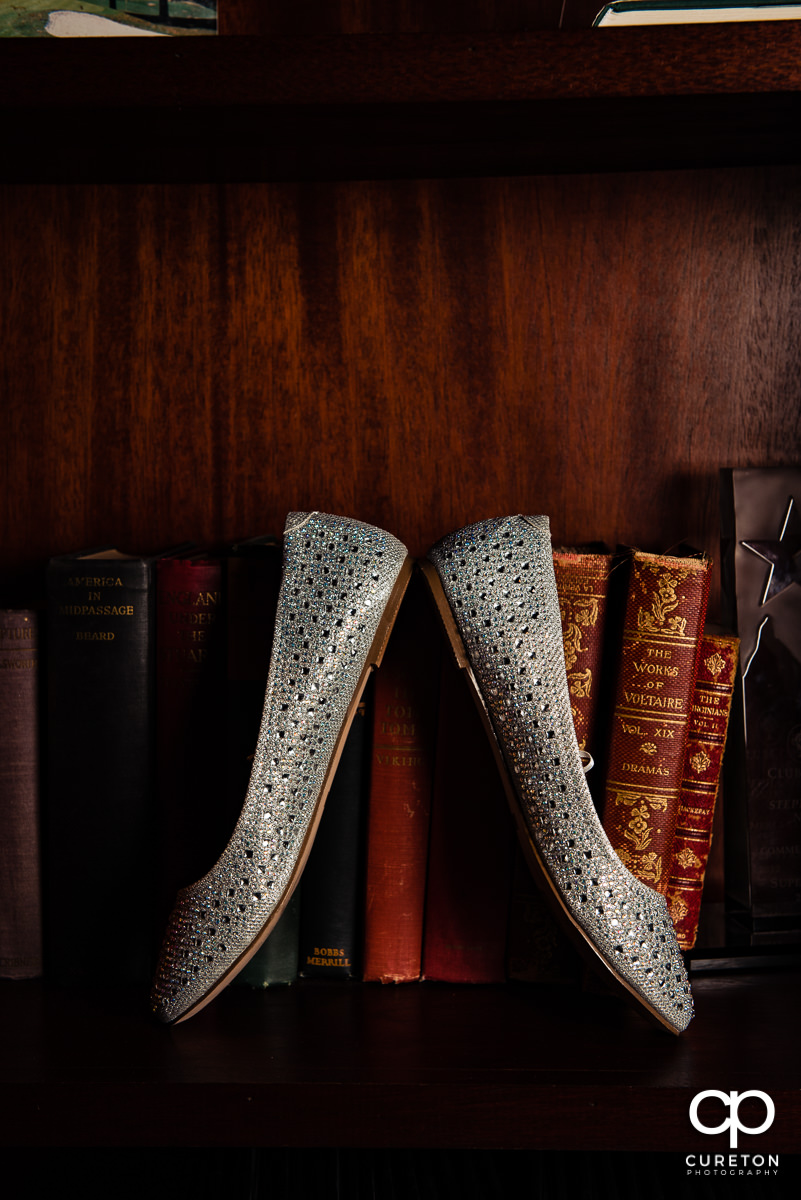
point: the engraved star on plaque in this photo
(783, 556)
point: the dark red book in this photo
(20, 874)
(190, 720)
(703, 759)
(399, 805)
(253, 580)
(472, 847)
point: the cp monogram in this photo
(732, 1100)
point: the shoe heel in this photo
(459, 652)
(379, 646)
(445, 615)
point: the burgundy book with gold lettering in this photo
(703, 759)
(582, 582)
(193, 818)
(664, 618)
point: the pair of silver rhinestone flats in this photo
(494, 588)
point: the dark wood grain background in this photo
(193, 362)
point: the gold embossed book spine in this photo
(664, 619)
(703, 758)
(582, 582)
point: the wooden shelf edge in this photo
(398, 106)
(411, 142)
(405, 69)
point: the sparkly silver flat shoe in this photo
(341, 589)
(495, 590)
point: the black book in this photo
(331, 909)
(100, 843)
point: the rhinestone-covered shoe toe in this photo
(341, 587)
(495, 587)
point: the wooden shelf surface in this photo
(399, 105)
(419, 1065)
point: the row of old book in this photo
(130, 712)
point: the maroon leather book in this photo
(20, 876)
(190, 720)
(582, 582)
(703, 759)
(399, 806)
(472, 848)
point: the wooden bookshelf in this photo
(422, 1065)
(417, 277)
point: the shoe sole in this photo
(534, 860)
(374, 659)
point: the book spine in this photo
(20, 875)
(399, 805)
(101, 862)
(276, 962)
(253, 581)
(582, 583)
(537, 949)
(665, 610)
(472, 848)
(703, 758)
(330, 902)
(190, 720)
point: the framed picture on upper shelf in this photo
(107, 18)
(691, 12)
